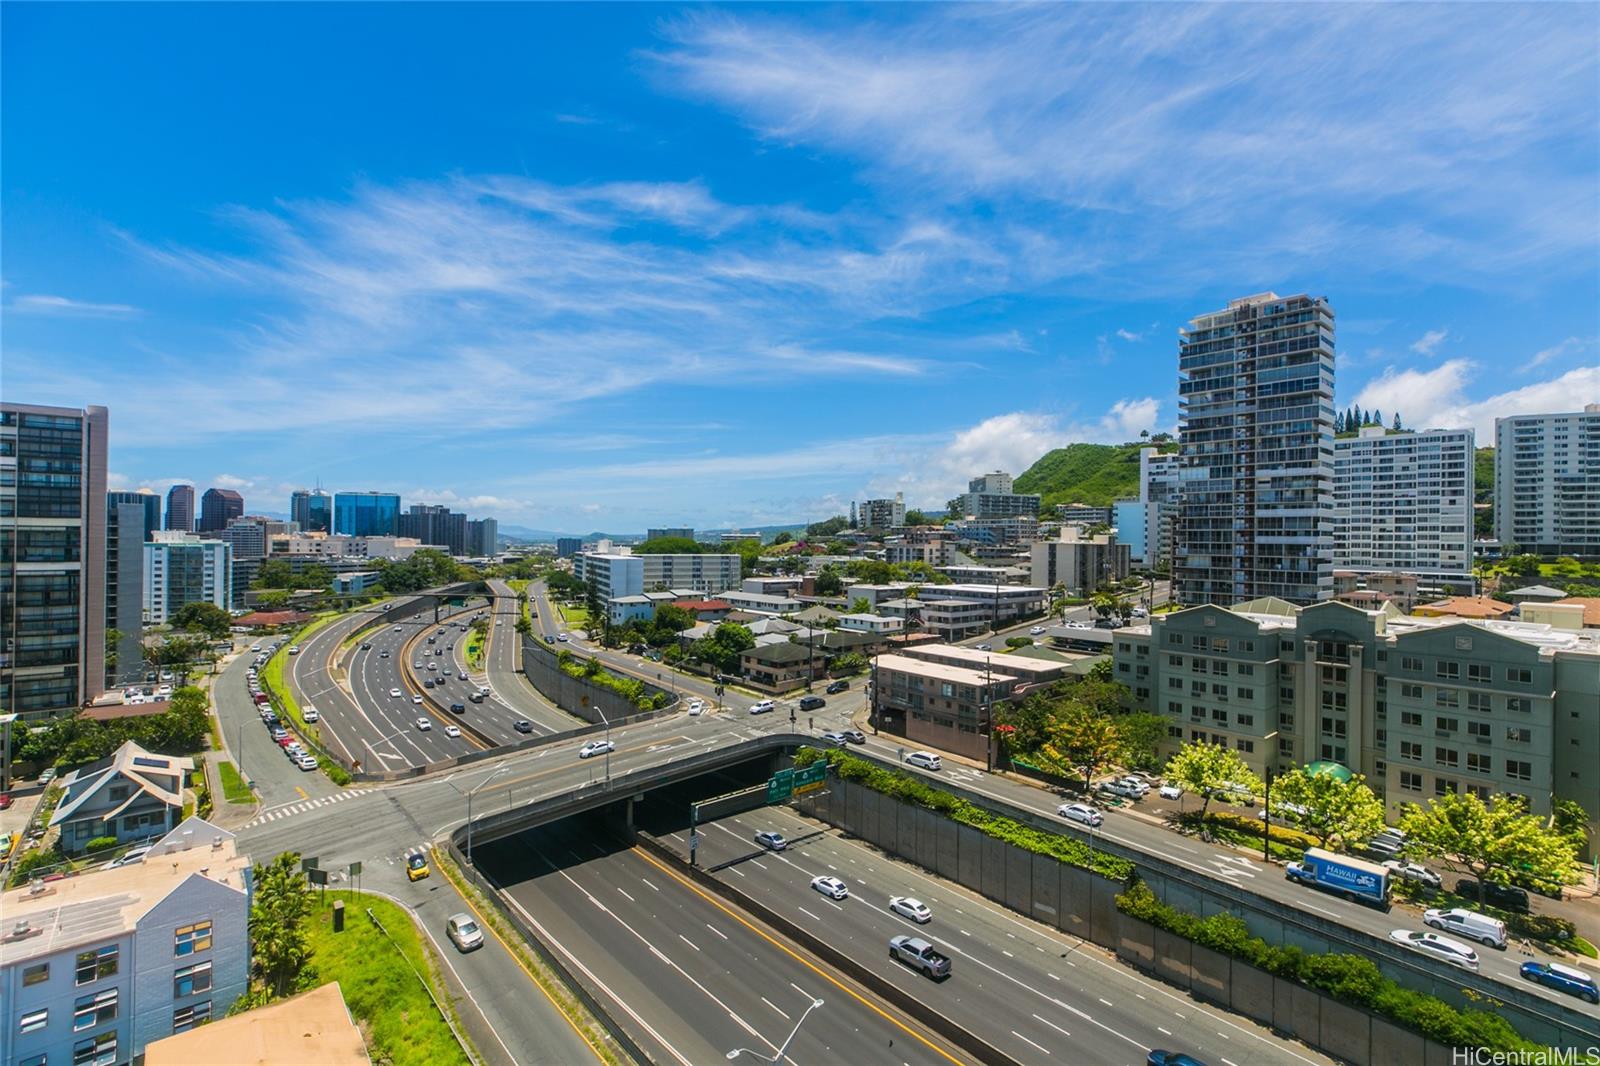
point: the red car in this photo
(5, 801)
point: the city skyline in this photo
(760, 215)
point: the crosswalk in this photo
(289, 810)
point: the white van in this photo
(1470, 924)
(309, 713)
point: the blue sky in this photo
(597, 267)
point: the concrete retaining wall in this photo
(577, 695)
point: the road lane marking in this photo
(632, 900)
(717, 931)
(686, 940)
(1053, 1025)
(802, 910)
(646, 880)
(775, 1007)
(1025, 1040)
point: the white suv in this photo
(925, 759)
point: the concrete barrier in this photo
(576, 695)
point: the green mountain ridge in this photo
(1094, 474)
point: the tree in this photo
(670, 546)
(1330, 809)
(782, 538)
(828, 527)
(872, 571)
(1082, 740)
(205, 618)
(915, 517)
(860, 605)
(280, 942)
(1106, 603)
(1491, 841)
(850, 662)
(723, 647)
(829, 583)
(1141, 733)
(1397, 427)
(955, 507)
(1211, 769)
(272, 599)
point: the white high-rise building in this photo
(1256, 447)
(1403, 501)
(882, 514)
(992, 496)
(182, 568)
(1547, 482)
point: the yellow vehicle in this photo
(7, 842)
(416, 866)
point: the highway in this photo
(277, 780)
(691, 978)
(1026, 989)
(502, 660)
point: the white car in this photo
(1170, 792)
(697, 706)
(1444, 948)
(1411, 871)
(1081, 812)
(763, 706)
(451, 731)
(417, 700)
(907, 907)
(925, 759)
(1036, 631)
(831, 887)
(417, 665)
(310, 713)
(394, 693)
(423, 725)
(306, 762)
(596, 747)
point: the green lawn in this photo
(474, 650)
(233, 786)
(402, 1025)
(576, 616)
(272, 674)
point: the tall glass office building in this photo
(366, 514)
(313, 509)
(1255, 433)
(52, 558)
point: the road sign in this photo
(781, 786)
(814, 774)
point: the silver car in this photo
(464, 932)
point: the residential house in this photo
(131, 794)
(782, 667)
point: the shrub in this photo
(1353, 979)
(100, 844)
(336, 773)
(1019, 642)
(1541, 927)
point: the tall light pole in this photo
(469, 794)
(782, 1051)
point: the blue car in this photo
(1172, 1058)
(1562, 979)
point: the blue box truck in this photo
(1354, 879)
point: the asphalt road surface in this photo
(690, 977)
(1026, 989)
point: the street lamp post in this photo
(469, 794)
(782, 1051)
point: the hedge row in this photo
(628, 688)
(913, 790)
(1352, 979)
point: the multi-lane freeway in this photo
(691, 978)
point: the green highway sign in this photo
(815, 774)
(786, 783)
(781, 786)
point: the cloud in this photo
(65, 307)
(1129, 335)
(1117, 125)
(1429, 342)
(232, 481)
(1437, 398)
(1570, 346)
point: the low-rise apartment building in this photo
(782, 667)
(1421, 706)
(880, 624)
(760, 602)
(1082, 565)
(933, 703)
(622, 573)
(94, 967)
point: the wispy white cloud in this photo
(1437, 398)
(1570, 346)
(1428, 343)
(43, 304)
(1129, 335)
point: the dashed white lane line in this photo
(775, 1007)
(720, 933)
(686, 940)
(802, 910)
(625, 893)
(647, 882)
(1053, 1025)
(1025, 1040)
(1107, 1002)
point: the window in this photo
(1442, 785)
(1286, 647)
(93, 965)
(191, 979)
(1411, 662)
(1175, 638)
(94, 1009)
(1246, 670)
(1122, 668)
(188, 939)
(1478, 731)
(1519, 770)
(1246, 693)
(1333, 727)
(1219, 668)
(1175, 660)
(1446, 697)
(1220, 717)
(186, 1018)
(1479, 701)
(1245, 745)
(1520, 675)
(1333, 751)
(1286, 694)
(1411, 718)
(1198, 643)
(1219, 692)
(96, 1051)
(1447, 725)
(35, 1060)
(1519, 734)
(1410, 781)
(1447, 669)
(1174, 682)
(1174, 707)
(1410, 749)
(1411, 692)
(948, 690)
(35, 974)
(1446, 757)
(1245, 720)
(1480, 672)
(1286, 747)
(1175, 731)
(1478, 762)
(1380, 766)
(1519, 704)
(1247, 645)
(33, 1022)
(1285, 720)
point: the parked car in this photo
(1128, 789)
(1470, 924)
(831, 887)
(1411, 871)
(1170, 791)
(132, 856)
(307, 762)
(983, 647)
(771, 840)
(1443, 948)
(1563, 979)
(909, 907)
(463, 931)
(1506, 897)
(837, 686)
(925, 759)
(1081, 812)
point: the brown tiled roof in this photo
(1591, 608)
(1466, 607)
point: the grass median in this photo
(386, 983)
(233, 784)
